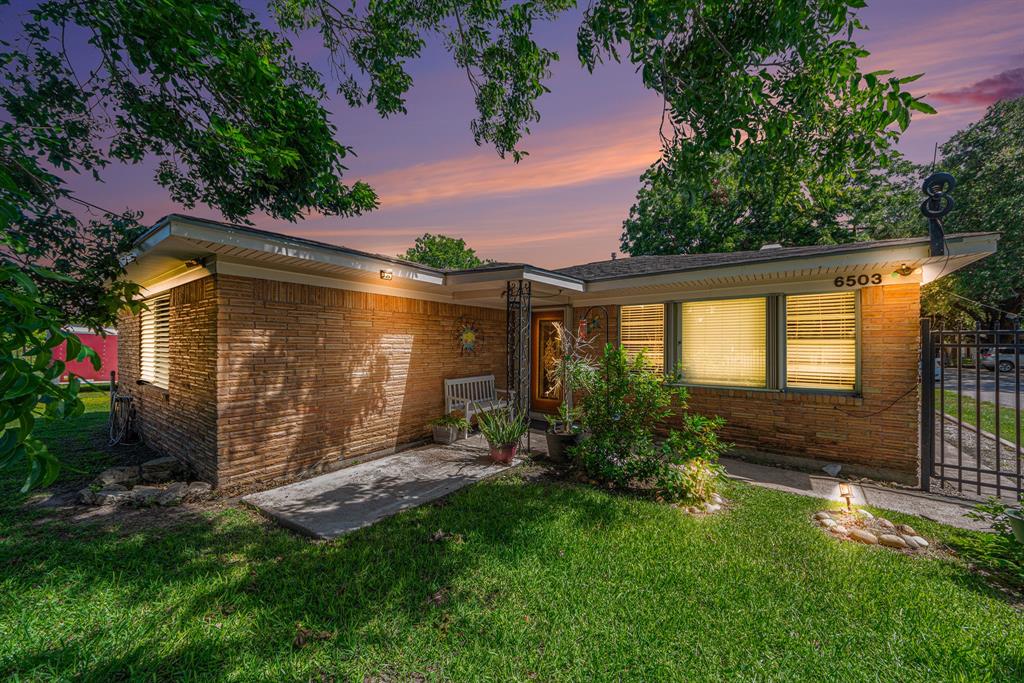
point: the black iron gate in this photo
(971, 411)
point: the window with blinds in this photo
(821, 341)
(643, 328)
(724, 342)
(154, 347)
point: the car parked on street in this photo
(1009, 359)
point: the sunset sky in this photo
(565, 203)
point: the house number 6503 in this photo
(858, 280)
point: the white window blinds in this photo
(643, 328)
(154, 356)
(821, 341)
(724, 342)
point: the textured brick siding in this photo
(311, 375)
(840, 428)
(181, 420)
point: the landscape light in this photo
(846, 492)
(386, 274)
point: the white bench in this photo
(474, 395)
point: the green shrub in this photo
(621, 413)
(452, 420)
(1000, 552)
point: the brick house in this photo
(264, 357)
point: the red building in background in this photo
(104, 346)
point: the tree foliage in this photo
(442, 251)
(768, 118)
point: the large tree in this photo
(442, 251)
(768, 118)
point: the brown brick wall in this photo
(843, 429)
(312, 375)
(181, 420)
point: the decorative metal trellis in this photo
(517, 326)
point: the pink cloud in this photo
(1003, 86)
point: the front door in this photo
(545, 394)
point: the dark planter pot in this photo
(503, 455)
(558, 443)
(1016, 519)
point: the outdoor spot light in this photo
(846, 492)
(386, 274)
(903, 271)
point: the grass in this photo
(540, 580)
(968, 413)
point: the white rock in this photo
(920, 541)
(173, 494)
(117, 475)
(711, 507)
(840, 529)
(892, 540)
(822, 515)
(906, 530)
(829, 523)
(864, 536)
(885, 524)
(865, 514)
(911, 543)
(112, 496)
(717, 499)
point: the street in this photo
(987, 386)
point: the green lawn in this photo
(1008, 416)
(543, 581)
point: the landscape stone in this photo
(711, 507)
(906, 530)
(822, 515)
(173, 494)
(112, 496)
(144, 495)
(885, 524)
(717, 499)
(160, 469)
(840, 529)
(864, 536)
(865, 514)
(117, 475)
(911, 543)
(87, 496)
(829, 523)
(920, 541)
(892, 540)
(198, 490)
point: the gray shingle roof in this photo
(652, 265)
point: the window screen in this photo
(724, 342)
(643, 328)
(821, 341)
(154, 353)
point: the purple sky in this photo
(565, 203)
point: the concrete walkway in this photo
(334, 504)
(928, 505)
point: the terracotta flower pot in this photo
(503, 455)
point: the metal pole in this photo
(927, 404)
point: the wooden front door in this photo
(545, 396)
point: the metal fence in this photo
(971, 411)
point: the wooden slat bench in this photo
(475, 395)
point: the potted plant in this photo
(450, 428)
(502, 431)
(571, 371)
(1015, 516)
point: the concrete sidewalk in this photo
(910, 501)
(334, 504)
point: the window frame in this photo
(856, 391)
(775, 342)
(151, 304)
